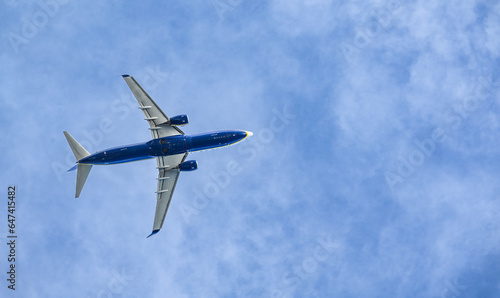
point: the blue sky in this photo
(372, 173)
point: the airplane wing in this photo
(167, 179)
(157, 120)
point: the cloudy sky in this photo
(373, 170)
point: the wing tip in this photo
(125, 75)
(154, 232)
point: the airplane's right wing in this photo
(167, 179)
(157, 120)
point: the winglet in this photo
(125, 75)
(154, 232)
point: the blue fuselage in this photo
(165, 146)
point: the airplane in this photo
(170, 146)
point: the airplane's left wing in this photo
(167, 179)
(157, 120)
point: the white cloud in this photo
(232, 73)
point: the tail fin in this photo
(81, 176)
(83, 170)
(78, 149)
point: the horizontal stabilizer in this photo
(77, 149)
(81, 176)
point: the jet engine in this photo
(178, 120)
(189, 165)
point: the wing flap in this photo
(167, 180)
(156, 118)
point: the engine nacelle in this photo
(189, 165)
(179, 120)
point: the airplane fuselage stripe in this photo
(165, 146)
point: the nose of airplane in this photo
(238, 135)
(243, 134)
